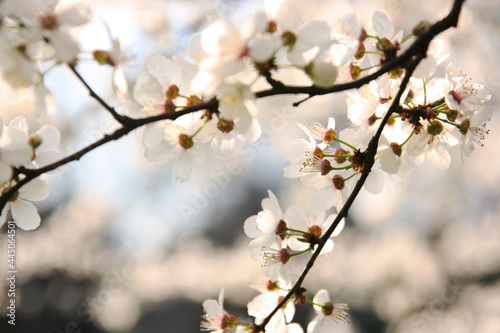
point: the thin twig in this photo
(118, 117)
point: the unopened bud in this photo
(288, 39)
(326, 167)
(281, 229)
(185, 141)
(341, 159)
(384, 45)
(169, 106)
(327, 309)
(271, 27)
(363, 35)
(35, 141)
(355, 71)
(300, 296)
(229, 321)
(193, 100)
(360, 53)
(372, 120)
(409, 98)
(315, 231)
(464, 126)
(284, 255)
(452, 115)
(103, 57)
(323, 74)
(49, 22)
(172, 92)
(338, 182)
(271, 286)
(318, 152)
(225, 126)
(435, 127)
(329, 135)
(396, 73)
(396, 148)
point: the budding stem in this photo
(345, 143)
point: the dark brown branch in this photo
(131, 125)
(118, 117)
(369, 158)
(419, 45)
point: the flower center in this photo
(49, 22)
(185, 141)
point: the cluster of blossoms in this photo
(36, 36)
(20, 149)
(283, 242)
(229, 62)
(435, 113)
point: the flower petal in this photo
(35, 190)
(25, 214)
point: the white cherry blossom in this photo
(325, 309)
(216, 319)
(23, 212)
(462, 94)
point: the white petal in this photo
(250, 227)
(262, 49)
(64, 45)
(182, 167)
(316, 326)
(261, 306)
(221, 298)
(375, 182)
(18, 130)
(252, 134)
(313, 33)
(16, 153)
(286, 15)
(35, 190)
(75, 15)
(426, 68)
(120, 83)
(211, 307)
(164, 70)
(25, 214)
(197, 151)
(50, 138)
(147, 90)
(295, 150)
(162, 153)
(223, 144)
(439, 158)
(294, 328)
(153, 133)
(296, 219)
(47, 157)
(5, 172)
(324, 199)
(275, 206)
(266, 221)
(382, 25)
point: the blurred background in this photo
(124, 248)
